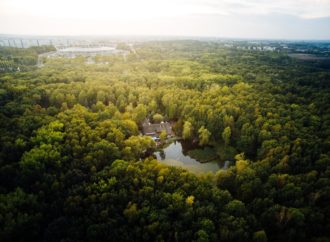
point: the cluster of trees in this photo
(73, 166)
(13, 58)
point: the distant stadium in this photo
(86, 51)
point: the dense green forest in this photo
(73, 164)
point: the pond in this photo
(176, 154)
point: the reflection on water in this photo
(176, 155)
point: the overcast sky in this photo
(281, 19)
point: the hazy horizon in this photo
(160, 37)
(240, 19)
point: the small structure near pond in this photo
(154, 130)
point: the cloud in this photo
(225, 18)
(299, 8)
(164, 8)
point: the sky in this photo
(264, 19)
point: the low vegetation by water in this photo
(203, 154)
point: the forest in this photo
(73, 163)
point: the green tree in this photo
(226, 134)
(163, 136)
(204, 136)
(140, 113)
(187, 130)
(260, 236)
(157, 118)
(21, 216)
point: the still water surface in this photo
(175, 155)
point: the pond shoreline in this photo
(193, 146)
(189, 156)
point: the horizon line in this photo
(163, 36)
